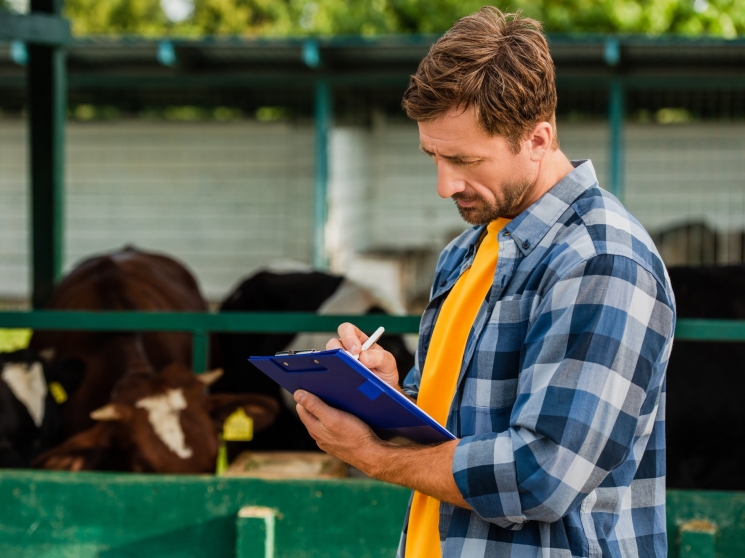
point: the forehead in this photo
(457, 130)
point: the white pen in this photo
(370, 341)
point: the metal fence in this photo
(231, 169)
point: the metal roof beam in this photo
(36, 28)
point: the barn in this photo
(235, 156)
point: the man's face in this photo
(478, 171)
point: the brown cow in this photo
(158, 423)
(139, 406)
(126, 280)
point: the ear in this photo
(48, 354)
(112, 412)
(541, 140)
(69, 372)
(209, 378)
(261, 408)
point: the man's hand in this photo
(423, 468)
(377, 359)
(339, 433)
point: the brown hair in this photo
(497, 63)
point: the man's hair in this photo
(496, 63)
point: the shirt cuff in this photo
(484, 471)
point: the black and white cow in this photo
(293, 291)
(706, 385)
(29, 414)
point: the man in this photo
(544, 345)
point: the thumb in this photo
(311, 403)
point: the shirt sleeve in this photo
(593, 369)
(413, 379)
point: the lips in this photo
(465, 202)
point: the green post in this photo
(616, 117)
(323, 115)
(200, 351)
(46, 107)
(255, 532)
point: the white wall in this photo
(227, 198)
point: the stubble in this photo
(485, 212)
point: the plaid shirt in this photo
(561, 395)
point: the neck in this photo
(551, 170)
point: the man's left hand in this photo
(423, 468)
(339, 433)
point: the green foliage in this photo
(119, 17)
(723, 18)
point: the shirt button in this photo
(526, 244)
(507, 233)
(443, 283)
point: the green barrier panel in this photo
(706, 524)
(48, 514)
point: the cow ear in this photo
(209, 378)
(48, 354)
(112, 412)
(261, 408)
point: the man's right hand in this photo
(377, 359)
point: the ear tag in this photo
(238, 427)
(58, 392)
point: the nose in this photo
(448, 180)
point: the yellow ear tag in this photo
(238, 427)
(58, 392)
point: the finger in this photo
(351, 337)
(314, 405)
(377, 357)
(334, 344)
(310, 422)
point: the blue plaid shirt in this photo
(560, 402)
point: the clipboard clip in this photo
(288, 353)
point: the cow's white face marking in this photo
(29, 386)
(163, 414)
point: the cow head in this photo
(158, 422)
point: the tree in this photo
(723, 18)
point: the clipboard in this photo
(346, 384)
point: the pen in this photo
(370, 341)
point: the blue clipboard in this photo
(344, 383)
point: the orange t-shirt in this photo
(441, 371)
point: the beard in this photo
(485, 212)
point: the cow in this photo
(129, 279)
(138, 405)
(705, 385)
(29, 414)
(157, 423)
(291, 291)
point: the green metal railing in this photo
(200, 325)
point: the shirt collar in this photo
(530, 226)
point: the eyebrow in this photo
(457, 158)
